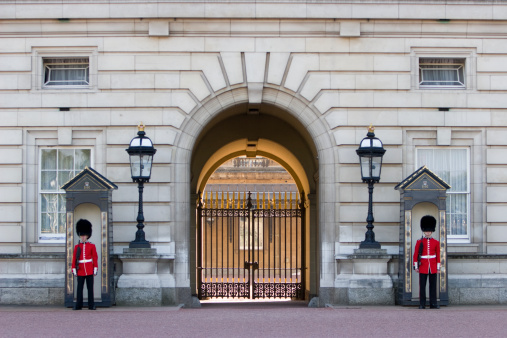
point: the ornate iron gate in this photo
(250, 246)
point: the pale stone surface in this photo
(255, 64)
(184, 101)
(11, 156)
(356, 213)
(196, 84)
(158, 28)
(327, 45)
(10, 194)
(279, 45)
(233, 67)
(211, 68)
(496, 175)
(500, 249)
(376, 82)
(494, 137)
(11, 137)
(496, 213)
(171, 62)
(423, 11)
(229, 44)
(496, 194)
(496, 156)
(315, 83)
(11, 175)
(300, 65)
(116, 62)
(11, 233)
(340, 81)
(444, 136)
(350, 28)
(497, 234)
(326, 101)
(358, 99)
(16, 63)
(277, 66)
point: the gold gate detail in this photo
(249, 245)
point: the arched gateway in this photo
(274, 132)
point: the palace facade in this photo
(291, 81)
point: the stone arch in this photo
(318, 166)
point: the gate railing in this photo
(250, 247)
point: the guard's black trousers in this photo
(89, 286)
(433, 289)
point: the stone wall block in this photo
(233, 64)
(314, 84)
(277, 66)
(255, 66)
(299, 67)
(11, 137)
(11, 175)
(211, 68)
(334, 62)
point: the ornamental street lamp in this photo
(370, 154)
(141, 153)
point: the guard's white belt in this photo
(432, 256)
(91, 260)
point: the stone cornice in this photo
(255, 9)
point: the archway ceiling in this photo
(268, 131)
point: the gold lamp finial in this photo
(371, 128)
(140, 126)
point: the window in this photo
(66, 72)
(57, 167)
(452, 165)
(441, 73)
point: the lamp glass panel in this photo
(135, 165)
(365, 167)
(146, 165)
(376, 164)
(376, 143)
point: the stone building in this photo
(294, 81)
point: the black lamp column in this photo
(370, 154)
(140, 241)
(141, 153)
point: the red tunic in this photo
(87, 260)
(430, 257)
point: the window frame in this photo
(54, 238)
(454, 238)
(459, 66)
(47, 70)
(469, 71)
(39, 54)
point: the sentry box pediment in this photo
(89, 195)
(421, 193)
(89, 180)
(423, 179)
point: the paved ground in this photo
(276, 319)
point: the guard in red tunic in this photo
(84, 263)
(427, 262)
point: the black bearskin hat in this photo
(428, 223)
(84, 228)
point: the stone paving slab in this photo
(255, 319)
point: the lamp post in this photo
(370, 154)
(141, 153)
